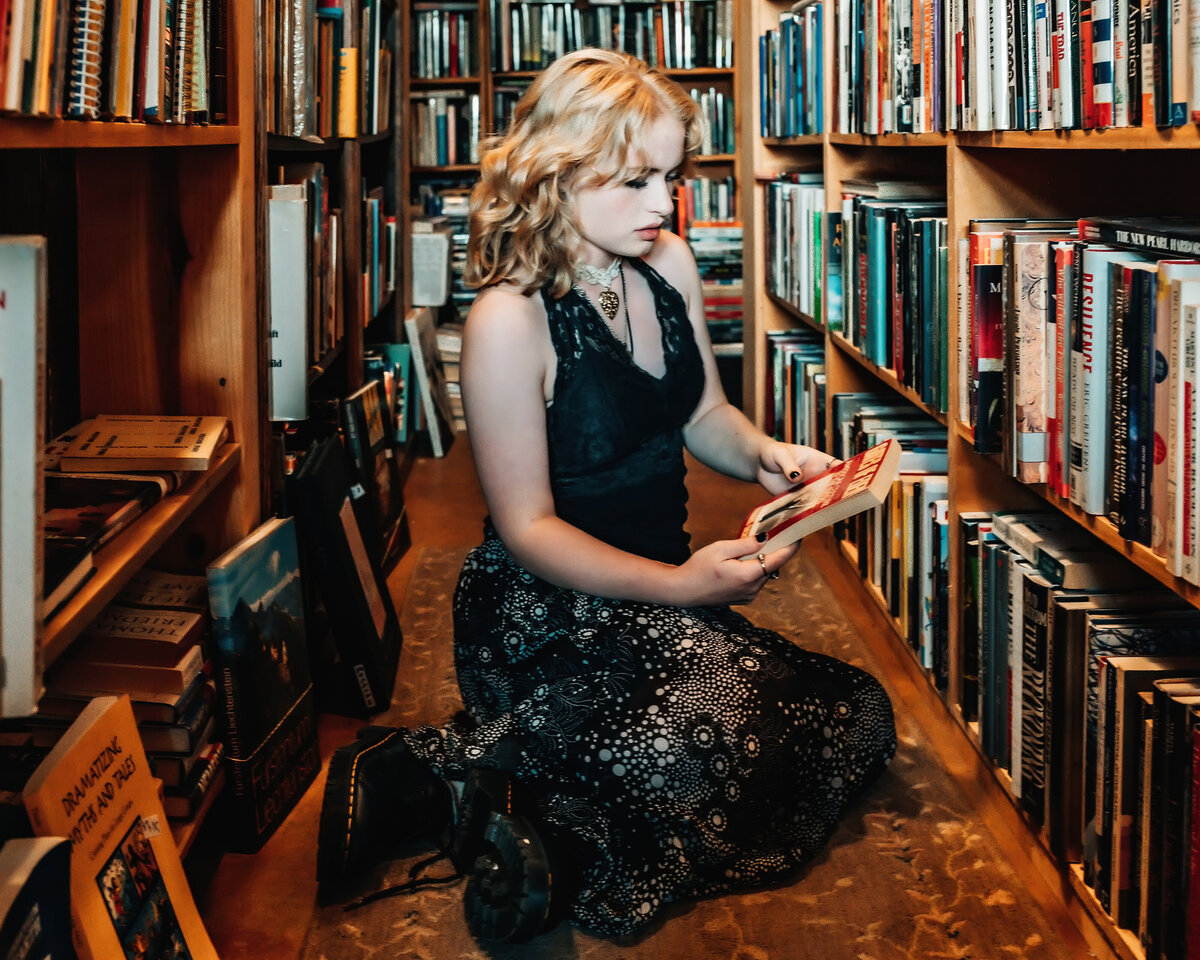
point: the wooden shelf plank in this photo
(892, 139)
(46, 133)
(796, 313)
(119, 559)
(887, 377)
(1114, 138)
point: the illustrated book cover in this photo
(261, 667)
(848, 488)
(129, 895)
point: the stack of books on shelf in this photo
(1087, 387)
(449, 348)
(895, 281)
(671, 36)
(717, 247)
(450, 199)
(446, 127)
(391, 365)
(794, 388)
(444, 38)
(380, 240)
(940, 65)
(790, 75)
(504, 99)
(902, 547)
(329, 74)
(149, 643)
(158, 62)
(794, 207)
(304, 283)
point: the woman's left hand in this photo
(782, 466)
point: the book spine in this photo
(1142, 237)
(1034, 690)
(1118, 399)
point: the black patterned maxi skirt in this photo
(679, 752)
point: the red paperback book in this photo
(858, 484)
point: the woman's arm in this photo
(507, 359)
(719, 434)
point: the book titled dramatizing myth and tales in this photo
(129, 894)
(845, 489)
(261, 667)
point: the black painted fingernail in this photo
(794, 474)
(761, 537)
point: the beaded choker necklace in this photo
(602, 277)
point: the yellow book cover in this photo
(347, 98)
(129, 894)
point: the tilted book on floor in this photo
(847, 488)
(129, 894)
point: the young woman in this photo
(659, 746)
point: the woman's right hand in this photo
(716, 574)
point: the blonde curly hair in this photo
(579, 124)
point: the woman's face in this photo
(623, 218)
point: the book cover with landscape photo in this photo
(261, 668)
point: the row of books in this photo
(1091, 392)
(307, 277)
(444, 40)
(794, 223)
(706, 199)
(791, 75)
(671, 35)
(446, 128)
(328, 74)
(931, 65)
(894, 267)
(719, 129)
(1086, 686)
(717, 247)
(155, 61)
(794, 386)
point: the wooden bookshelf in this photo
(1008, 174)
(486, 82)
(153, 244)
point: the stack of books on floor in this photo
(149, 643)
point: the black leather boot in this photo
(515, 883)
(378, 796)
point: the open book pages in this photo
(848, 488)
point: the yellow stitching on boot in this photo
(353, 791)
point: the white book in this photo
(1043, 27)
(1102, 60)
(1065, 53)
(843, 66)
(1090, 378)
(1166, 377)
(981, 65)
(22, 406)
(288, 246)
(1120, 56)
(431, 383)
(1180, 293)
(12, 79)
(1189, 501)
(1002, 57)
(1017, 569)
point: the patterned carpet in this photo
(909, 875)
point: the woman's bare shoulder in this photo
(672, 257)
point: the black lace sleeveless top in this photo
(615, 432)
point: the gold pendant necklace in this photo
(602, 277)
